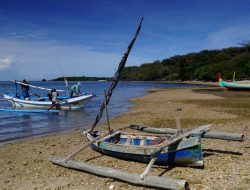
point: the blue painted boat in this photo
(139, 147)
(29, 111)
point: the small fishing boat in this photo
(140, 147)
(64, 102)
(233, 85)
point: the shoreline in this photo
(25, 163)
(130, 106)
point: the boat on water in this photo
(233, 85)
(44, 102)
(140, 147)
(51, 101)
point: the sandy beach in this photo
(24, 164)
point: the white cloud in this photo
(228, 36)
(35, 60)
(6, 62)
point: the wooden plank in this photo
(132, 178)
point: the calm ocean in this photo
(21, 125)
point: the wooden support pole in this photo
(155, 182)
(178, 126)
(148, 168)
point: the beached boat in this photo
(184, 147)
(140, 147)
(233, 85)
(132, 178)
(64, 102)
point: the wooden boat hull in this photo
(234, 86)
(186, 152)
(44, 103)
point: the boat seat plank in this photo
(128, 142)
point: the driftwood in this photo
(209, 134)
(132, 178)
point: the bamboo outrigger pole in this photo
(38, 87)
(207, 134)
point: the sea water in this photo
(21, 125)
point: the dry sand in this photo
(24, 164)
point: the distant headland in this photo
(201, 66)
(84, 78)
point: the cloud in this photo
(6, 62)
(35, 60)
(229, 36)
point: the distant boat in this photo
(233, 85)
(64, 102)
(139, 147)
(35, 101)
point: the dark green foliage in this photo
(203, 65)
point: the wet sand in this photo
(24, 164)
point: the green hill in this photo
(203, 65)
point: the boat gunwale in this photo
(146, 148)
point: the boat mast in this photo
(64, 77)
(116, 77)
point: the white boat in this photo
(64, 102)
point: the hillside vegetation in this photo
(203, 65)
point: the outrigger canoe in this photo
(233, 85)
(64, 103)
(140, 147)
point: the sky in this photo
(46, 39)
